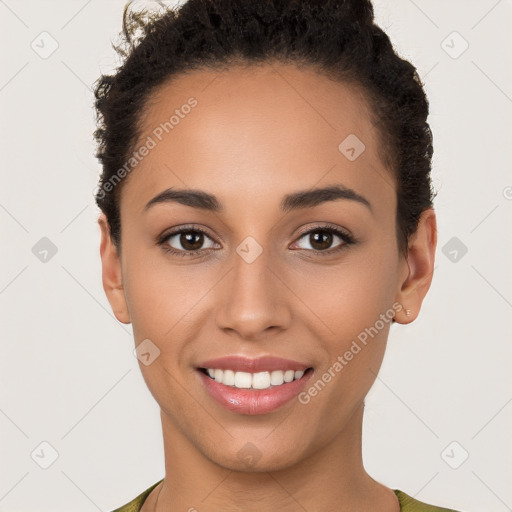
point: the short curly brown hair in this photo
(337, 37)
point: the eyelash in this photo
(327, 228)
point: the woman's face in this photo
(264, 278)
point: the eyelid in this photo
(185, 228)
(327, 226)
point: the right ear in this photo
(111, 273)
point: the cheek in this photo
(160, 295)
(354, 309)
(350, 297)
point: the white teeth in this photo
(242, 380)
(259, 380)
(228, 377)
(289, 375)
(276, 378)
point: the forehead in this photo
(255, 131)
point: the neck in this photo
(332, 478)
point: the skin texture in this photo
(256, 135)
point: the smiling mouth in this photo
(257, 380)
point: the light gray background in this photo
(67, 372)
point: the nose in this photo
(254, 299)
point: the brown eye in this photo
(191, 240)
(187, 240)
(321, 239)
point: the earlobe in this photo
(111, 273)
(420, 265)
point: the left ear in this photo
(419, 267)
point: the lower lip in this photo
(253, 401)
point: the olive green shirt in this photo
(407, 504)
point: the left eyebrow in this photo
(316, 196)
(295, 201)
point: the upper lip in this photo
(260, 364)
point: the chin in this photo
(256, 457)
